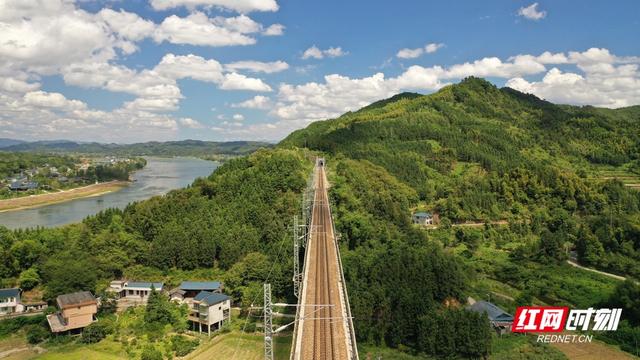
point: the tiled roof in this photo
(13, 292)
(76, 299)
(200, 285)
(493, 312)
(210, 298)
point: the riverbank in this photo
(61, 196)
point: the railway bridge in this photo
(324, 327)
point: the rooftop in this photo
(143, 285)
(210, 298)
(422, 214)
(13, 292)
(200, 285)
(81, 298)
(493, 312)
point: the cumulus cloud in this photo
(198, 29)
(242, 6)
(604, 79)
(238, 117)
(274, 30)
(257, 102)
(407, 53)
(190, 123)
(235, 81)
(316, 53)
(531, 12)
(258, 66)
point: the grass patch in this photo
(236, 345)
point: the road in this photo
(323, 322)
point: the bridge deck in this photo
(323, 326)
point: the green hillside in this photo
(556, 180)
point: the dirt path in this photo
(613, 276)
(60, 196)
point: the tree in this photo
(158, 309)
(67, 273)
(626, 295)
(551, 246)
(29, 279)
(589, 248)
(150, 353)
(95, 332)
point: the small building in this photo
(35, 306)
(23, 185)
(189, 289)
(76, 311)
(211, 310)
(499, 319)
(422, 218)
(134, 292)
(10, 301)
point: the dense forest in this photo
(559, 180)
(210, 149)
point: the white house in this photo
(136, 292)
(210, 309)
(10, 301)
(422, 218)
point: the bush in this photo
(151, 353)
(183, 345)
(95, 332)
(10, 326)
(36, 334)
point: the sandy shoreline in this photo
(33, 201)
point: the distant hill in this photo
(9, 142)
(154, 148)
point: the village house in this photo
(209, 310)
(499, 319)
(23, 185)
(189, 289)
(10, 301)
(132, 293)
(422, 218)
(76, 311)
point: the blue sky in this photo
(127, 71)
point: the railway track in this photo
(323, 330)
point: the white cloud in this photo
(257, 102)
(242, 6)
(274, 30)
(316, 53)
(606, 80)
(238, 117)
(235, 81)
(127, 25)
(433, 47)
(198, 29)
(190, 123)
(409, 53)
(531, 12)
(258, 66)
(190, 66)
(52, 100)
(415, 53)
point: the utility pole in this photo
(296, 258)
(268, 329)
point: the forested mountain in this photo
(153, 148)
(563, 178)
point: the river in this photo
(159, 177)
